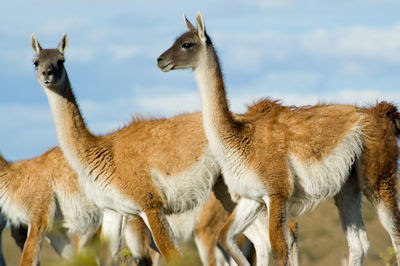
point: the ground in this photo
(321, 240)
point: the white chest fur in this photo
(315, 181)
(105, 196)
(190, 188)
(78, 213)
(237, 176)
(183, 224)
(15, 211)
(241, 180)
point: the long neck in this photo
(217, 119)
(73, 136)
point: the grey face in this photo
(49, 64)
(187, 50)
(184, 53)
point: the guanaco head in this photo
(187, 50)
(49, 63)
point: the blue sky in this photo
(300, 52)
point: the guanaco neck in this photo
(74, 138)
(217, 119)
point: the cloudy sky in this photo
(301, 52)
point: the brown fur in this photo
(379, 161)
(209, 225)
(224, 233)
(207, 229)
(265, 138)
(386, 110)
(125, 158)
(3, 162)
(31, 184)
(293, 230)
(310, 134)
(141, 232)
(40, 175)
(178, 137)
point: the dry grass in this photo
(12, 252)
(321, 242)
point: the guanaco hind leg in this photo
(348, 202)
(243, 215)
(36, 234)
(378, 172)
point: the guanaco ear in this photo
(63, 43)
(188, 24)
(35, 44)
(201, 28)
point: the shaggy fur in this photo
(203, 223)
(41, 192)
(292, 156)
(148, 168)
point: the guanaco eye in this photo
(187, 45)
(60, 62)
(36, 63)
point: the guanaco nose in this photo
(48, 72)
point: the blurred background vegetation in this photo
(321, 242)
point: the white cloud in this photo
(106, 116)
(267, 51)
(55, 26)
(290, 80)
(119, 110)
(346, 96)
(247, 51)
(171, 104)
(381, 44)
(353, 51)
(22, 114)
